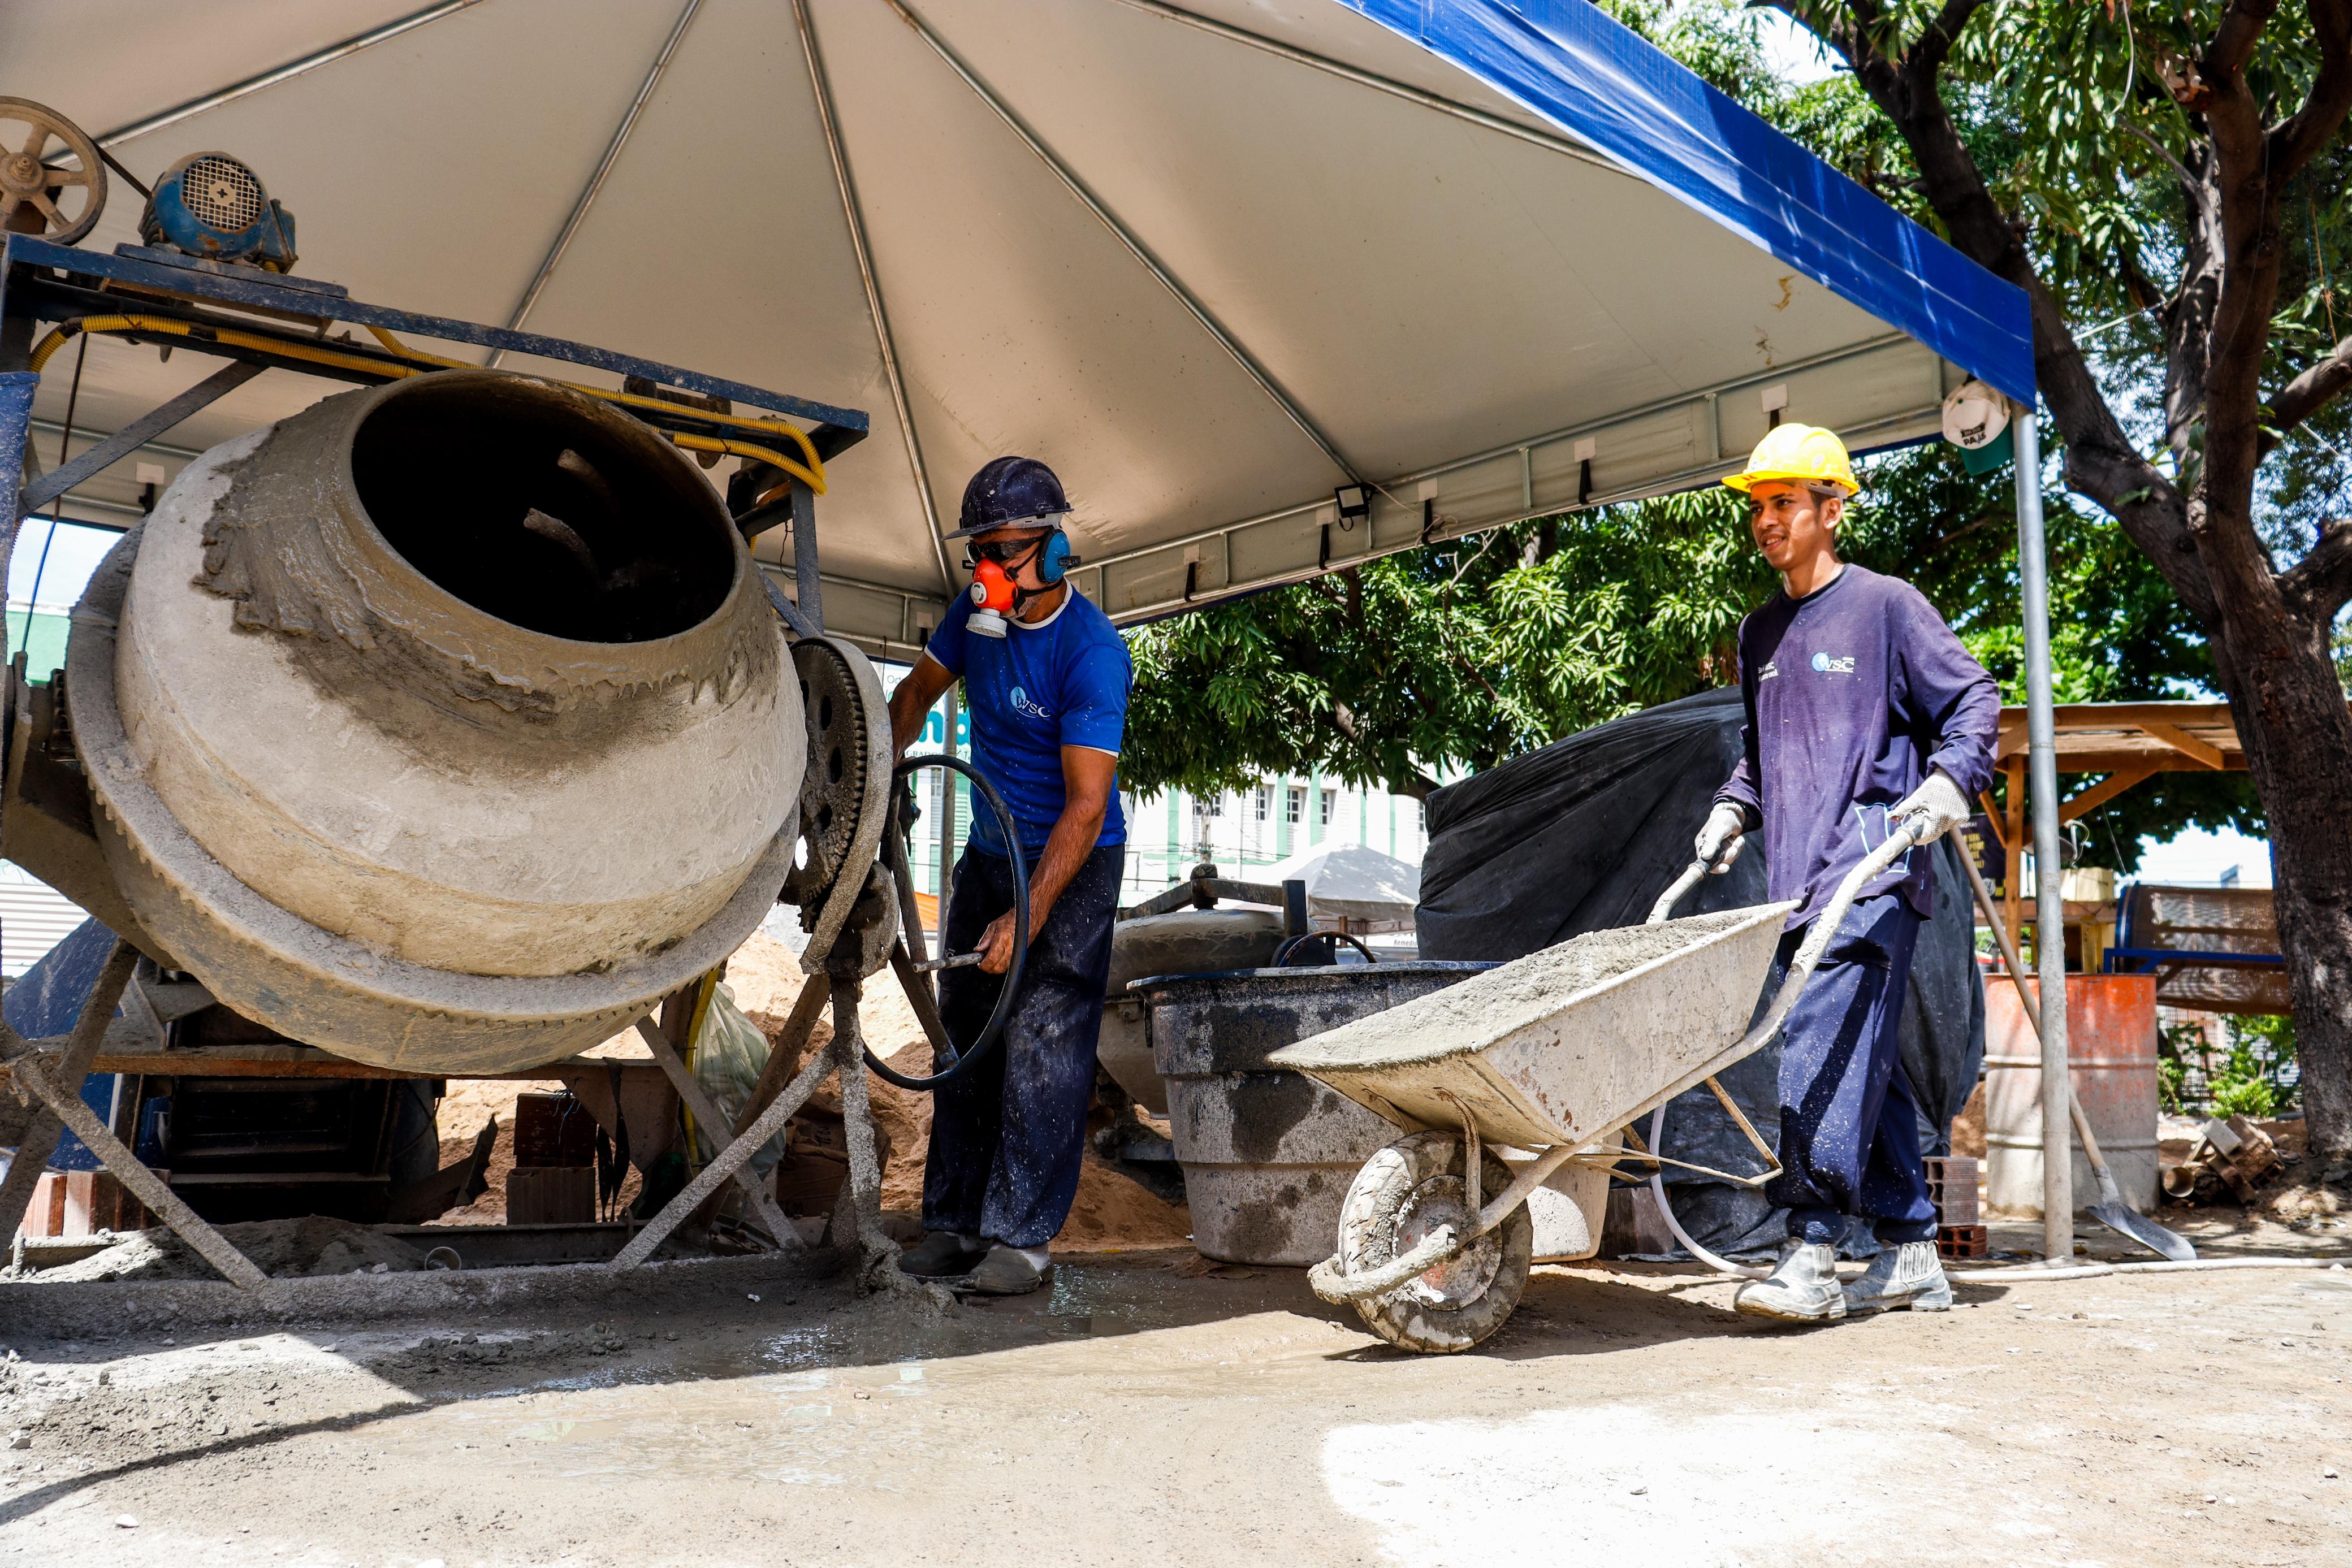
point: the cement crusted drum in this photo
(1267, 1152)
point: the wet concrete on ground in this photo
(1142, 1411)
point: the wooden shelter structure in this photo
(2128, 742)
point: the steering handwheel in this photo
(915, 975)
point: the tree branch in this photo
(2309, 393)
(2319, 584)
(2240, 28)
(1927, 57)
(2309, 129)
(2101, 460)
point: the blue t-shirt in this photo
(1037, 689)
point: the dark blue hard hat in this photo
(1010, 492)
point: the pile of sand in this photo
(282, 1248)
(1111, 1212)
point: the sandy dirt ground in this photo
(1111, 1212)
(1141, 1412)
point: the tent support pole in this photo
(855, 216)
(287, 72)
(1128, 237)
(588, 192)
(2050, 914)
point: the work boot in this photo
(942, 1254)
(1803, 1288)
(1907, 1274)
(1008, 1271)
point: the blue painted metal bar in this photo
(258, 293)
(2157, 956)
(135, 435)
(16, 389)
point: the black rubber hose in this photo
(1010, 990)
(1282, 954)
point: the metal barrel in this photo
(1269, 1153)
(2111, 1046)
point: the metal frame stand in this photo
(62, 1107)
(857, 1222)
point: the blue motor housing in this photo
(211, 205)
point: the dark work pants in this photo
(1849, 1129)
(1007, 1137)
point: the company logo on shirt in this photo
(1027, 709)
(1771, 671)
(1833, 666)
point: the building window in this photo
(1264, 801)
(1330, 804)
(1425, 817)
(1212, 806)
(1293, 810)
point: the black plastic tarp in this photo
(1585, 833)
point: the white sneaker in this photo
(1803, 1288)
(1908, 1274)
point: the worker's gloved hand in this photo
(1719, 840)
(1939, 801)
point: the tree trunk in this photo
(2298, 736)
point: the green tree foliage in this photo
(1456, 656)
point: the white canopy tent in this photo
(1351, 882)
(1212, 259)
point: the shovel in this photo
(2111, 1210)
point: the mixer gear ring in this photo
(846, 794)
(27, 182)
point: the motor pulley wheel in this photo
(55, 192)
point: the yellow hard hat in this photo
(1801, 454)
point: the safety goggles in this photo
(1004, 552)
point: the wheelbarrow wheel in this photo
(1400, 1194)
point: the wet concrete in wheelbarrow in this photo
(1147, 1408)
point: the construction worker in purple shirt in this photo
(1863, 711)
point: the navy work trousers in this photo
(1849, 1129)
(1007, 1136)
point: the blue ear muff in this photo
(1055, 558)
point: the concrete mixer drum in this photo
(447, 726)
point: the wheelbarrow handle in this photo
(1824, 928)
(1693, 874)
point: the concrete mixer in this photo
(441, 725)
(447, 725)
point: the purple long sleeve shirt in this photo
(1855, 694)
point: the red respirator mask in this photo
(993, 593)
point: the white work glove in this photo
(1719, 841)
(1938, 800)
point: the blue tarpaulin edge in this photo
(1575, 66)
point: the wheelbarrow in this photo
(1553, 1057)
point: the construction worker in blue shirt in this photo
(1045, 683)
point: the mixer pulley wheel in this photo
(31, 186)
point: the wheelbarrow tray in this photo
(1566, 1045)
